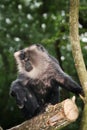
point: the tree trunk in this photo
(54, 117)
(77, 54)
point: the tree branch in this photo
(55, 117)
(77, 54)
(75, 42)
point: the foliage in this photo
(25, 22)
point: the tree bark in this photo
(77, 54)
(1, 128)
(54, 117)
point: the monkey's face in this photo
(23, 60)
(31, 60)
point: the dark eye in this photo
(40, 47)
(22, 55)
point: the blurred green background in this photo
(25, 22)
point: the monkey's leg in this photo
(31, 105)
(25, 99)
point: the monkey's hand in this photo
(18, 92)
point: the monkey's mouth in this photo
(28, 66)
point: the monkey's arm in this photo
(67, 82)
(24, 97)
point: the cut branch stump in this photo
(54, 117)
